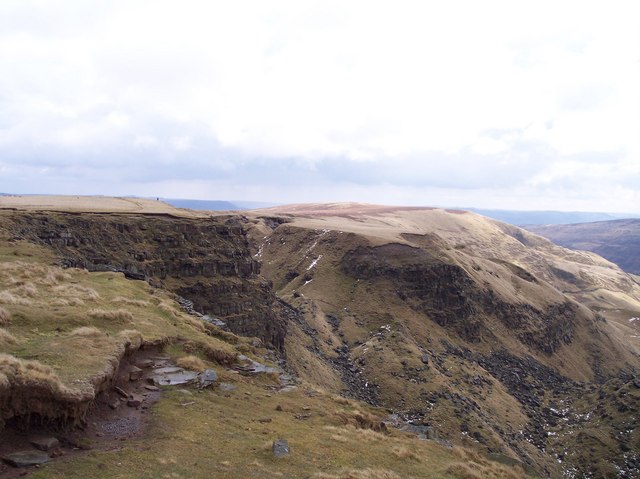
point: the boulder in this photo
(44, 443)
(280, 448)
(135, 373)
(26, 458)
(206, 378)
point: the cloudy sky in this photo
(498, 104)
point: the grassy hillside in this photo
(66, 334)
(471, 328)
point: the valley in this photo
(485, 350)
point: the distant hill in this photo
(548, 217)
(216, 205)
(617, 240)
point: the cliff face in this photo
(204, 260)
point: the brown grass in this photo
(6, 297)
(359, 474)
(22, 373)
(5, 317)
(86, 331)
(133, 338)
(6, 337)
(131, 302)
(193, 363)
(402, 452)
(116, 315)
(83, 292)
(462, 470)
(219, 353)
(362, 420)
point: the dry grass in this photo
(133, 338)
(131, 302)
(77, 290)
(28, 289)
(6, 338)
(20, 373)
(462, 470)
(362, 420)
(193, 363)
(116, 315)
(213, 350)
(359, 474)
(402, 452)
(167, 307)
(196, 324)
(86, 331)
(475, 466)
(7, 297)
(5, 317)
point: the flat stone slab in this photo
(173, 376)
(44, 443)
(26, 458)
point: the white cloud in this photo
(409, 88)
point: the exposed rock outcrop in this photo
(204, 260)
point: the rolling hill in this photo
(616, 240)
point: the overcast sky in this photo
(499, 104)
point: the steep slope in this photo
(471, 329)
(74, 344)
(205, 260)
(617, 240)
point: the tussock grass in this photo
(193, 363)
(167, 307)
(86, 331)
(77, 290)
(26, 290)
(133, 338)
(24, 375)
(402, 452)
(361, 420)
(117, 315)
(359, 474)
(196, 324)
(462, 470)
(7, 297)
(6, 338)
(213, 350)
(5, 317)
(131, 302)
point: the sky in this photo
(493, 104)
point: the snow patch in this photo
(314, 262)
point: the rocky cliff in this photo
(204, 260)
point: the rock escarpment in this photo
(204, 260)
(447, 294)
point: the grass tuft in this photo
(116, 315)
(359, 474)
(133, 338)
(6, 338)
(131, 302)
(86, 331)
(462, 470)
(5, 317)
(193, 363)
(6, 297)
